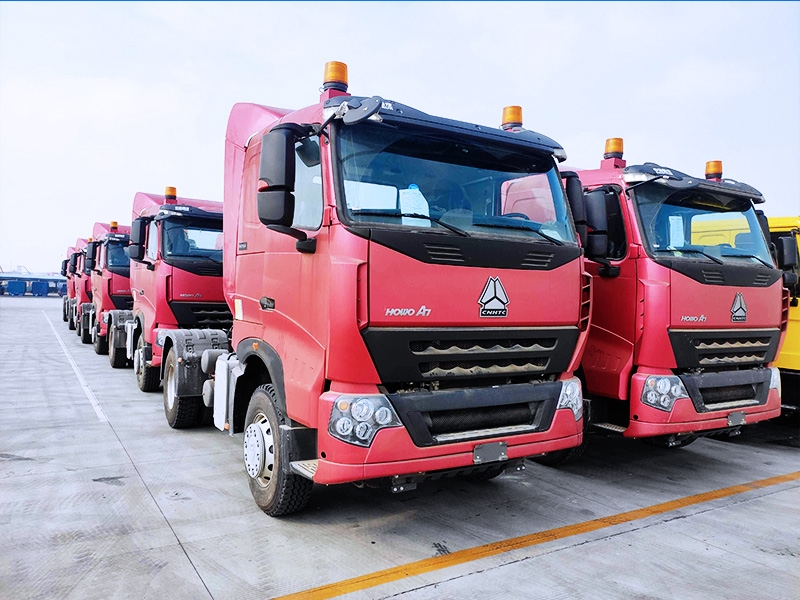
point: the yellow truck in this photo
(788, 360)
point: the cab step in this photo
(304, 468)
(610, 427)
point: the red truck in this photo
(108, 265)
(69, 293)
(176, 280)
(689, 310)
(80, 287)
(408, 294)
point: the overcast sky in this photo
(100, 100)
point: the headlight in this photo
(775, 379)
(356, 419)
(571, 397)
(661, 392)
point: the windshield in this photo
(700, 225)
(116, 255)
(409, 177)
(190, 239)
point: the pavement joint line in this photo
(102, 416)
(427, 565)
(87, 391)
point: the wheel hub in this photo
(259, 454)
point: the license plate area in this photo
(736, 418)
(486, 453)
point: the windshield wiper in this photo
(378, 213)
(522, 228)
(748, 255)
(693, 251)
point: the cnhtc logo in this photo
(494, 299)
(739, 309)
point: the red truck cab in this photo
(689, 310)
(81, 287)
(108, 265)
(176, 277)
(408, 294)
(69, 284)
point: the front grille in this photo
(122, 302)
(453, 421)
(727, 389)
(202, 315)
(723, 348)
(454, 415)
(413, 355)
(482, 368)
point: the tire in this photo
(100, 342)
(116, 356)
(205, 416)
(181, 412)
(86, 333)
(71, 320)
(275, 492)
(64, 310)
(147, 378)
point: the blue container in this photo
(39, 288)
(16, 288)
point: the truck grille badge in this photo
(739, 309)
(493, 299)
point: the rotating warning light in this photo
(114, 225)
(170, 195)
(512, 117)
(714, 169)
(335, 76)
(614, 148)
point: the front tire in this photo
(148, 378)
(64, 310)
(181, 412)
(86, 332)
(116, 356)
(71, 320)
(275, 492)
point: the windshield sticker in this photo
(493, 299)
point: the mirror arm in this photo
(304, 243)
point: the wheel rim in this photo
(259, 450)
(170, 387)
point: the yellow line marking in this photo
(471, 554)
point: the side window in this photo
(101, 257)
(151, 250)
(617, 244)
(308, 186)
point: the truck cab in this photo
(408, 294)
(689, 310)
(79, 290)
(176, 278)
(69, 285)
(108, 265)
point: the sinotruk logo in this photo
(494, 299)
(739, 309)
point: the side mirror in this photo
(786, 247)
(90, 260)
(594, 203)
(575, 200)
(73, 264)
(64, 265)
(136, 252)
(138, 238)
(277, 170)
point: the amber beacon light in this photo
(512, 117)
(613, 148)
(714, 169)
(335, 76)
